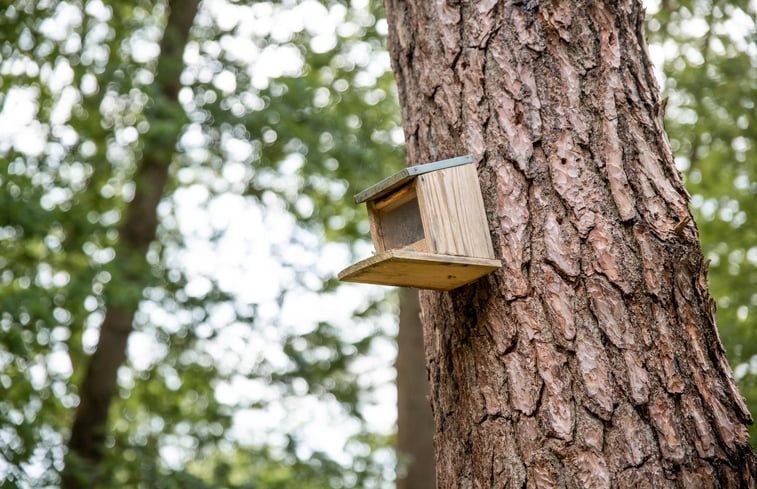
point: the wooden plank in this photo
(453, 212)
(397, 197)
(403, 176)
(420, 270)
(374, 219)
(419, 245)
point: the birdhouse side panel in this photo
(453, 212)
(374, 220)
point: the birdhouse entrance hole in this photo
(429, 228)
(398, 221)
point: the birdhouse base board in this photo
(405, 268)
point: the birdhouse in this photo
(429, 228)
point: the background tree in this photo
(592, 357)
(415, 426)
(86, 443)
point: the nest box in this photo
(429, 228)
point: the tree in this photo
(415, 426)
(87, 440)
(592, 358)
(710, 78)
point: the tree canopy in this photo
(273, 115)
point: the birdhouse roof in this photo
(401, 177)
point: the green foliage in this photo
(710, 77)
(80, 111)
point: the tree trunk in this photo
(592, 358)
(415, 426)
(86, 444)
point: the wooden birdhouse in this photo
(429, 228)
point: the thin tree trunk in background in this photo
(592, 358)
(415, 426)
(86, 444)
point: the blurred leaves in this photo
(77, 100)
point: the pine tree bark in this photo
(88, 432)
(592, 358)
(415, 426)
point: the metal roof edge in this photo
(408, 174)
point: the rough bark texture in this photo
(592, 358)
(86, 443)
(415, 426)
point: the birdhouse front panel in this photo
(429, 228)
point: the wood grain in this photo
(420, 270)
(453, 212)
